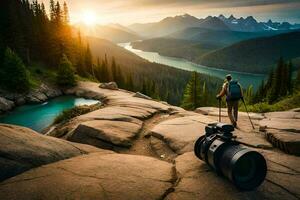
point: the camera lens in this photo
(245, 168)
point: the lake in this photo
(246, 79)
(40, 116)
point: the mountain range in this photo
(257, 55)
(249, 24)
(170, 25)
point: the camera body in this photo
(220, 150)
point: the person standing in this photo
(233, 91)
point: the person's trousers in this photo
(233, 106)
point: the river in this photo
(246, 79)
(40, 116)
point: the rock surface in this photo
(143, 128)
(97, 132)
(22, 149)
(110, 86)
(6, 105)
(181, 133)
(140, 95)
(197, 181)
(94, 176)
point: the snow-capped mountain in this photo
(250, 24)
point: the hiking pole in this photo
(248, 113)
(220, 109)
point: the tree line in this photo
(29, 36)
(279, 84)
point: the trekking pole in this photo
(220, 110)
(248, 113)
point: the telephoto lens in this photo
(246, 168)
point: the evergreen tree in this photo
(66, 74)
(88, 61)
(52, 10)
(66, 18)
(113, 70)
(275, 90)
(13, 75)
(297, 81)
(290, 78)
(129, 83)
(192, 93)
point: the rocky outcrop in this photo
(22, 149)
(6, 105)
(162, 165)
(39, 95)
(282, 129)
(197, 181)
(109, 86)
(94, 176)
(101, 133)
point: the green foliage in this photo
(257, 55)
(13, 74)
(192, 94)
(65, 75)
(76, 111)
(282, 105)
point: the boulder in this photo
(22, 149)
(106, 133)
(94, 176)
(110, 86)
(197, 181)
(6, 105)
(140, 95)
(181, 133)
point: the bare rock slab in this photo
(197, 181)
(213, 111)
(181, 133)
(288, 142)
(101, 133)
(22, 149)
(292, 125)
(93, 176)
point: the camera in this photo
(219, 148)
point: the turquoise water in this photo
(40, 116)
(246, 79)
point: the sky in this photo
(143, 11)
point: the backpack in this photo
(234, 91)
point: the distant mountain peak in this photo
(231, 17)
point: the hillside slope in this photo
(112, 32)
(256, 55)
(168, 81)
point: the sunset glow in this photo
(89, 18)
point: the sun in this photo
(89, 18)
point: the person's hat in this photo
(228, 76)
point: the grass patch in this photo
(76, 111)
(282, 105)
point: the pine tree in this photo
(297, 81)
(13, 75)
(275, 90)
(290, 78)
(66, 18)
(66, 74)
(88, 61)
(52, 10)
(192, 93)
(129, 83)
(113, 70)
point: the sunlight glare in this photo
(89, 18)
